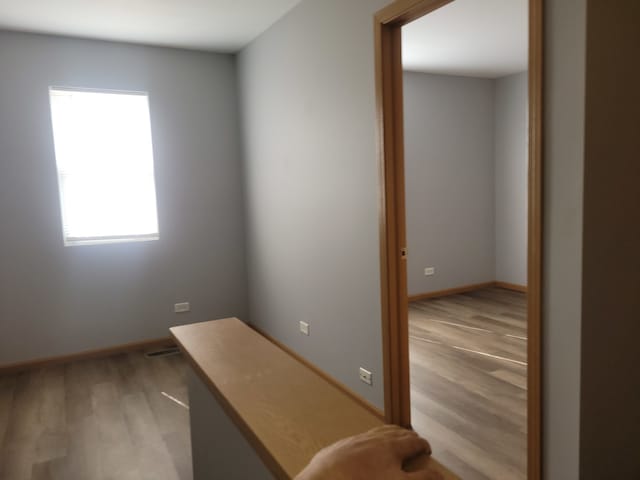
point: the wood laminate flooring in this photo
(109, 418)
(468, 381)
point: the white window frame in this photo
(105, 239)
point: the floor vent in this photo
(165, 352)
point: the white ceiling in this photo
(486, 38)
(478, 38)
(218, 25)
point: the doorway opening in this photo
(443, 334)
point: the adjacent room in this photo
(466, 162)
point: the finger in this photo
(423, 475)
(387, 430)
(396, 433)
(392, 431)
(388, 433)
(410, 445)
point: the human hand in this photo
(375, 455)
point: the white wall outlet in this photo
(182, 307)
(428, 271)
(366, 376)
(304, 328)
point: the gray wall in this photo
(56, 300)
(219, 449)
(511, 170)
(324, 108)
(562, 242)
(296, 143)
(449, 171)
(311, 170)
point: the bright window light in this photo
(104, 157)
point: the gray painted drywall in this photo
(511, 162)
(311, 170)
(219, 450)
(449, 172)
(466, 180)
(56, 300)
(323, 108)
(565, 24)
(48, 287)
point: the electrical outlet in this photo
(304, 328)
(366, 376)
(428, 271)
(182, 307)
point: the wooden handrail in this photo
(285, 410)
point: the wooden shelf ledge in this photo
(285, 410)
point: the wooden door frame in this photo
(393, 269)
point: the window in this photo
(105, 166)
